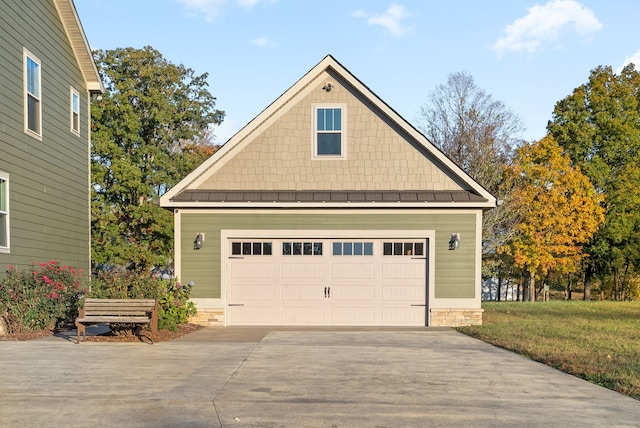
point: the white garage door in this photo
(350, 282)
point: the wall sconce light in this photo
(454, 242)
(327, 86)
(197, 244)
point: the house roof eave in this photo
(327, 199)
(81, 49)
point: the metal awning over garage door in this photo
(327, 281)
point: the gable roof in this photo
(73, 28)
(187, 193)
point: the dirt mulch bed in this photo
(26, 336)
(145, 336)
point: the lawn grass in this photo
(596, 341)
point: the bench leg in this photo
(81, 328)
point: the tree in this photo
(479, 134)
(559, 210)
(150, 128)
(599, 127)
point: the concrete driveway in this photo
(259, 377)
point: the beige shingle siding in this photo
(378, 156)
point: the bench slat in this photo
(112, 314)
(109, 319)
(117, 304)
(120, 308)
(128, 301)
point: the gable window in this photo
(329, 135)
(4, 212)
(75, 111)
(33, 104)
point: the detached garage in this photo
(330, 209)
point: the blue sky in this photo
(528, 54)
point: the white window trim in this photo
(73, 93)
(5, 248)
(343, 132)
(27, 54)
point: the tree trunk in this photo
(499, 287)
(529, 289)
(588, 277)
(569, 287)
(532, 287)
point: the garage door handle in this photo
(327, 292)
(418, 305)
(418, 258)
(236, 304)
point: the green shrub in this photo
(44, 296)
(174, 306)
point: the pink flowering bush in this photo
(44, 296)
(174, 306)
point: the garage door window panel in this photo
(251, 248)
(403, 248)
(353, 248)
(302, 248)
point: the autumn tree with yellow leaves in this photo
(558, 207)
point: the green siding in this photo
(49, 179)
(454, 271)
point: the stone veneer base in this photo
(456, 317)
(208, 317)
(439, 317)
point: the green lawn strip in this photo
(596, 341)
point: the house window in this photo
(33, 102)
(4, 213)
(329, 136)
(75, 111)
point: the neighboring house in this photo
(47, 76)
(329, 208)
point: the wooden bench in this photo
(125, 311)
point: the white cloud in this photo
(635, 59)
(389, 20)
(543, 24)
(213, 8)
(260, 41)
(210, 8)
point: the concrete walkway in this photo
(258, 377)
